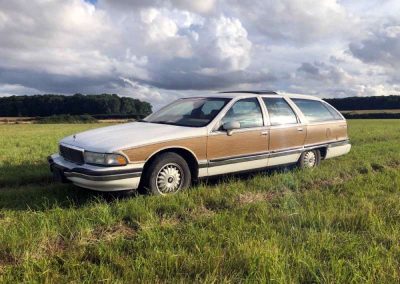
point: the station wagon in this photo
(199, 137)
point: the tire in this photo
(309, 159)
(167, 174)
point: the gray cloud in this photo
(381, 47)
(203, 6)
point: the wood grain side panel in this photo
(287, 137)
(340, 131)
(239, 143)
(317, 134)
(197, 145)
(320, 133)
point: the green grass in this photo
(338, 223)
(368, 111)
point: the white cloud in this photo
(231, 43)
(298, 21)
(142, 92)
(15, 89)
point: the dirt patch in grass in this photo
(252, 197)
(377, 167)
(394, 164)
(169, 222)
(326, 183)
(7, 258)
(201, 211)
(110, 233)
(56, 246)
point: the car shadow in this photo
(37, 191)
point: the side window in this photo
(279, 111)
(336, 114)
(315, 111)
(247, 112)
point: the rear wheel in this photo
(309, 159)
(167, 174)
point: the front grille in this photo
(72, 155)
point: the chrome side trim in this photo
(270, 154)
(203, 164)
(246, 158)
(241, 159)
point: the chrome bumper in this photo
(95, 177)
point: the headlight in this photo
(105, 159)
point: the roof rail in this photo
(261, 92)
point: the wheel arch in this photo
(322, 151)
(185, 153)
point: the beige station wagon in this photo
(199, 137)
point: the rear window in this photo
(316, 111)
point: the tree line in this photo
(78, 104)
(365, 103)
(112, 104)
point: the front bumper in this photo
(95, 177)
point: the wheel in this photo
(309, 159)
(167, 174)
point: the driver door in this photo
(246, 148)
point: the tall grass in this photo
(338, 223)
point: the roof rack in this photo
(261, 92)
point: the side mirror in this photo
(230, 126)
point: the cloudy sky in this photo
(160, 50)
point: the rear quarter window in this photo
(316, 111)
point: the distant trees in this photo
(112, 104)
(366, 103)
(78, 104)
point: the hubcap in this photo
(309, 159)
(169, 178)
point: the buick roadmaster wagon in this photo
(198, 137)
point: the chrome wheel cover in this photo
(169, 178)
(309, 159)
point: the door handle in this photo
(264, 133)
(300, 129)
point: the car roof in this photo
(244, 94)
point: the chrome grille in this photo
(72, 155)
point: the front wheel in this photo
(167, 174)
(309, 159)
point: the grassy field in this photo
(338, 223)
(371, 111)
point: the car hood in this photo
(129, 135)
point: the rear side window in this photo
(279, 111)
(316, 111)
(336, 114)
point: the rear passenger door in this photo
(287, 134)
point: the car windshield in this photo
(192, 112)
